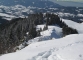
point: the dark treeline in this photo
(12, 34)
(53, 19)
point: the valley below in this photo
(47, 31)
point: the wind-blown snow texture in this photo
(67, 48)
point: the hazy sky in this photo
(72, 0)
(77, 3)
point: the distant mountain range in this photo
(41, 3)
(20, 8)
(24, 4)
(72, 3)
(34, 3)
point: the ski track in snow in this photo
(49, 55)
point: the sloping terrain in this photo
(77, 26)
(67, 48)
(53, 32)
(52, 40)
(14, 33)
(27, 32)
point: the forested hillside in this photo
(14, 32)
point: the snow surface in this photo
(22, 11)
(53, 32)
(75, 25)
(50, 45)
(6, 16)
(80, 15)
(61, 14)
(66, 48)
(10, 12)
(51, 29)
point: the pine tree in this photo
(67, 30)
(32, 31)
(45, 27)
(40, 29)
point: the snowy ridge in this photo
(72, 24)
(50, 45)
(67, 48)
(53, 32)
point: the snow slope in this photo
(75, 25)
(53, 32)
(66, 48)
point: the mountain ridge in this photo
(68, 3)
(34, 3)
